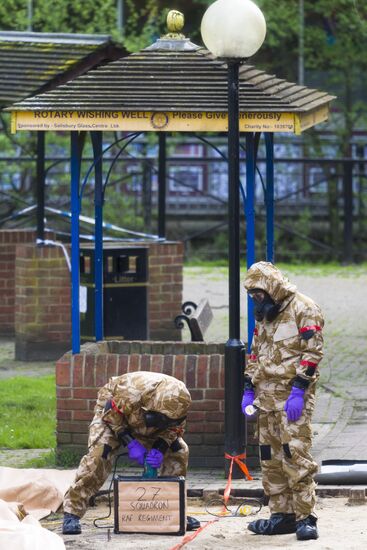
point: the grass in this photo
(47, 460)
(62, 459)
(306, 268)
(28, 413)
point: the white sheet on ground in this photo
(25, 534)
(39, 491)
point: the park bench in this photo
(197, 317)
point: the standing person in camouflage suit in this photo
(145, 411)
(280, 380)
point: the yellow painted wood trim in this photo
(297, 125)
(151, 121)
(314, 117)
(166, 121)
(13, 122)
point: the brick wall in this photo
(9, 238)
(165, 289)
(164, 302)
(42, 302)
(199, 365)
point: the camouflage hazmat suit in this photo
(284, 352)
(119, 408)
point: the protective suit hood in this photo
(170, 397)
(267, 277)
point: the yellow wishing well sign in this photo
(151, 121)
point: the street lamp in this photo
(233, 30)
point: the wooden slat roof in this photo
(31, 63)
(169, 80)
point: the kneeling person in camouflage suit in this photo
(280, 380)
(145, 411)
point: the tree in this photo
(335, 60)
(66, 16)
(144, 19)
(335, 46)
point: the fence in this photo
(319, 201)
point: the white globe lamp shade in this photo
(233, 29)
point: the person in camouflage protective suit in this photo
(280, 380)
(145, 411)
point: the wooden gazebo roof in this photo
(31, 63)
(172, 86)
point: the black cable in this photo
(245, 508)
(109, 497)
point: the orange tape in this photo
(189, 538)
(227, 491)
(238, 460)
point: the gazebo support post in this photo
(162, 176)
(269, 196)
(75, 248)
(98, 235)
(40, 186)
(250, 224)
(233, 384)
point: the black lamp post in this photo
(233, 30)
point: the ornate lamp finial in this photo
(174, 40)
(175, 21)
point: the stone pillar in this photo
(42, 303)
(43, 288)
(9, 238)
(165, 289)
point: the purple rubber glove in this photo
(294, 404)
(137, 451)
(247, 399)
(154, 458)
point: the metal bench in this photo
(197, 317)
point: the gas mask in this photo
(264, 305)
(160, 421)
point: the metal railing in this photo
(333, 190)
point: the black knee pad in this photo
(265, 452)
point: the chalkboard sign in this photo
(155, 506)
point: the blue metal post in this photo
(250, 224)
(269, 196)
(40, 185)
(162, 184)
(75, 252)
(98, 233)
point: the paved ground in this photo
(339, 422)
(341, 527)
(10, 367)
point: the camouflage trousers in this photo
(97, 464)
(286, 463)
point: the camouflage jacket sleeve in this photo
(111, 414)
(310, 324)
(251, 360)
